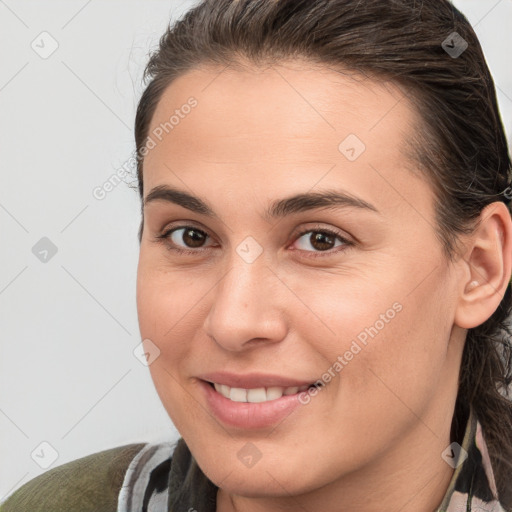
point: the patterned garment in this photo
(153, 484)
(164, 477)
(473, 486)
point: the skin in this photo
(372, 439)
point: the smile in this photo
(256, 395)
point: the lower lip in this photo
(249, 415)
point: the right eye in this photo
(190, 236)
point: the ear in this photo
(487, 266)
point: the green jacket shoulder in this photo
(88, 484)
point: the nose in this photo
(247, 307)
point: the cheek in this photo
(170, 312)
(166, 302)
(380, 343)
(400, 365)
(180, 405)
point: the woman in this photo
(324, 272)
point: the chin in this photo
(258, 485)
(262, 480)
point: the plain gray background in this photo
(68, 376)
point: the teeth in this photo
(256, 395)
(273, 393)
(238, 395)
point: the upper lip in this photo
(252, 380)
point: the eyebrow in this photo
(278, 208)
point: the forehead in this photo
(284, 126)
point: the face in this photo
(250, 289)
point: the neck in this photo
(410, 476)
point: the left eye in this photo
(320, 240)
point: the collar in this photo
(152, 483)
(473, 485)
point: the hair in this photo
(459, 146)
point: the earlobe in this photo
(488, 266)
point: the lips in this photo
(254, 380)
(251, 401)
(248, 415)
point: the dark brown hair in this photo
(460, 145)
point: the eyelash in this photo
(164, 238)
